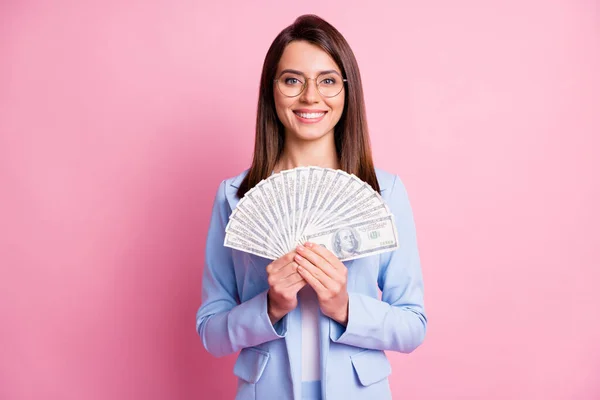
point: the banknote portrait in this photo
(346, 242)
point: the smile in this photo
(310, 117)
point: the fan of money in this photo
(325, 206)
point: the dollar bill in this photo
(320, 193)
(252, 229)
(236, 242)
(356, 209)
(289, 184)
(379, 210)
(279, 198)
(258, 207)
(360, 192)
(315, 175)
(331, 193)
(361, 239)
(302, 176)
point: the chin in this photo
(310, 134)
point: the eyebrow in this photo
(295, 71)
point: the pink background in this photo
(118, 121)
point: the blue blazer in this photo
(233, 314)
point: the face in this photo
(346, 241)
(310, 115)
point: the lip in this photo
(309, 120)
(309, 110)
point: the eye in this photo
(328, 81)
(292, 81)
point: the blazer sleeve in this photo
(396, 322)
(225, 324)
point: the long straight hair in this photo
(351, 134)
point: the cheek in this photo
(337, 103)
(282, 104)
(338, 109)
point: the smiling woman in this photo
(307, 325)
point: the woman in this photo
(307, 325)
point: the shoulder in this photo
(393, 190)
(236, 180)
(387, 181)
(232, 183)
(227, 192)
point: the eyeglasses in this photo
(292, 84)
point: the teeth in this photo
(310, 115)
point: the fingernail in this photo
(298, 257)
(308, 244)
(300, 247)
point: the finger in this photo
(311, 280)
(281, 262)
(286, 270)
(293, 279)
(318, 261)
(325, 280)
(326, 254)
(295, 288)
(289, 270)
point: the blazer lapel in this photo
(232, 188)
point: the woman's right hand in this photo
(284, 284)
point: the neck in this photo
(302, 153)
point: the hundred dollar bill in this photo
(302, 175)
(235, 242)
(372, 200)
(236, 230)
(312, 190)
(360, 192)
(279, 197)
(360, 239)
(339, 185)
(321, 193)
(256, 207)
(289, 184)
(252, 229)
(275, 210)
(379, 210)
(253, 205)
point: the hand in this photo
(284, 284)
(326, 274)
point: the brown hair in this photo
(351, 134)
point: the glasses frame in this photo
(306, 79)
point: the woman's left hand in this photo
(327, 275)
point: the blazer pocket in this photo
(371, 366)
(250, 364)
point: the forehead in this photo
(307, 58)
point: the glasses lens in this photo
(290, 84)
(330, 84)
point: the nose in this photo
(310, 94)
